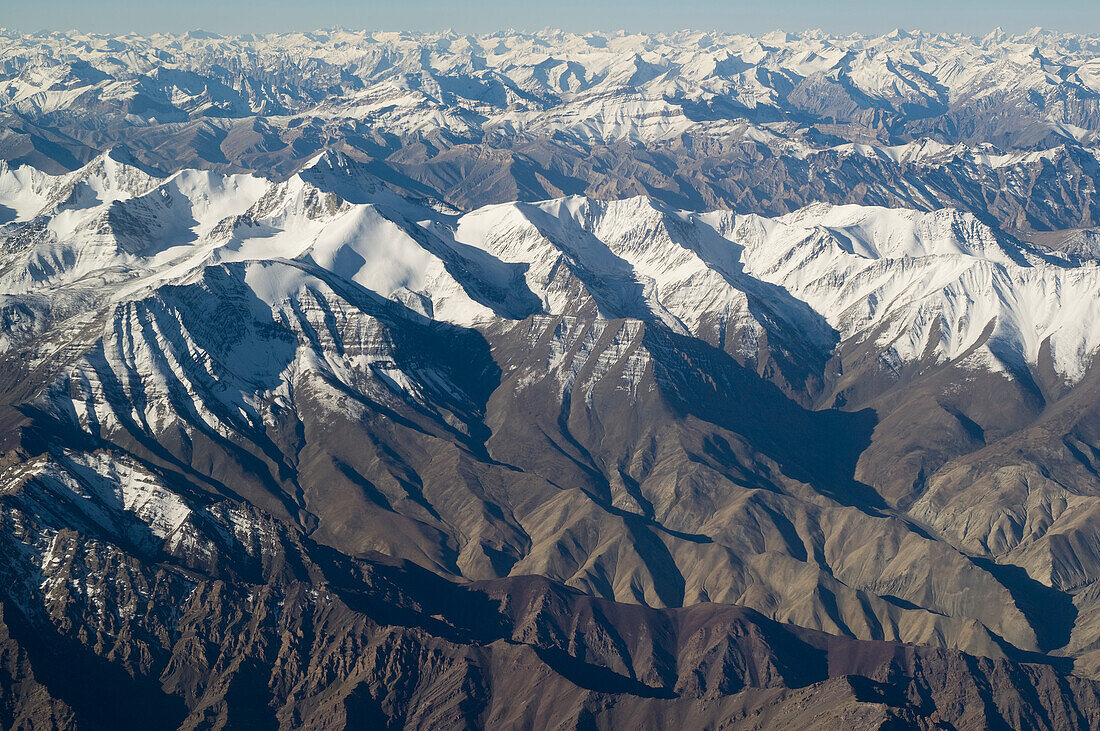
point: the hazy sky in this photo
(236, 16)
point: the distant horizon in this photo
(863, 17)
(610, 32)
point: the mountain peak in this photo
(667, 379)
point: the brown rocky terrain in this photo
(555, 394)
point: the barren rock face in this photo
(583, 386)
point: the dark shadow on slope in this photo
(588, 467)
(398, 180)
(1051, 613)
(249, 700)
(597, 678)
(403, 594)
(452, 364)
(124, 154)
(232, 327)
(101, 693)
(43, 146)
(498, 285)
(549, 156)
(363, 710)
(144, 225)
(799, 340)
(612, 283)
(668, 582)
(817, 447)
(723, 108)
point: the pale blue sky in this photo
(237, 16)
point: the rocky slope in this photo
(308, 452)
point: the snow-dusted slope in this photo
(935, 284)
(1005, 127)
(939, 286)
(592, 86)
(109, 222)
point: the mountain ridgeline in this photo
(549, 381)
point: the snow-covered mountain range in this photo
(931, 287)
(1002, 126)
(640, 88)
(379, 379)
